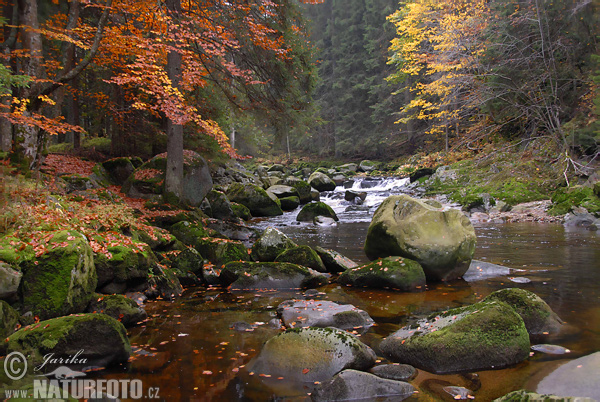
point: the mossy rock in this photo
(256, 199)
(102, 340)
(165, 282)
(539, 318)
(269, 275)
(443, 242)
(221, 251)
(289, 203)
(483, 336)
(191, 233)
(529, 396)
(302, 255)
(158, 239)
(125, 263)
(334, 261)
(321, 182)
(310, 211)
(118, 169)
(565, 199)
(390, 272)
(9, 319)
(15, 252)
(282, 191)
(241, 211)
(367, 166)
(301, 186)
(220, 205)
(188, 265)
(323, 314)
(77, 182)
(311, 354)
(60, 281)
(270, 244)
(119, 307)
(10, 280)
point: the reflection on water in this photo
(192, 350)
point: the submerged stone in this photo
(321, 313)
(528, 396)
(269, 275)
(550, 349)
(577, 378)
(334, 261)
(398, 372)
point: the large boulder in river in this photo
(270, 244)
(269, 275)
(302, 255)
(301, 186)
(321, 182)
(309, 212)
(220, 205)
(255, 199)
(386, 273)
(61, 280)
(443, 242)
(311, 354)
(96, 339)
(539, 318)
(322, 313)
(358, 385)
(482, 336)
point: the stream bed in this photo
(196, 347)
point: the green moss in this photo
(241, 211)
(314, 209)
(390, 272)
(565, 199)
(14, 251)
(302, 255)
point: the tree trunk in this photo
(174, 172)
(10, 35)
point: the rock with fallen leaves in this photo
(96, 339)
(539, 318)
(311, 354)
(391, 272)
(269, 275)
(119, 307)
(302, 255)
(321, 313)
(443, 242)
(353, 384)
(270, 244)
(62, 278)
(486, 335)
(255, 198)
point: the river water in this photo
(191, 349)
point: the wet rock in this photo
(550, 349)
(165, 282)
(482, 336)
(539, 318)
(311, 354)
(101, 339)
(390, 272)
(321, 182)
(188, 265)
(398, 372)
(321, 313)
(334, 261)
(301, 186)
(289, 203)
(302, 255)
(242, 326)
(358, 385)
(241, 211)
(9, 319)
(270, 244)
(367, 166)
(315, 195)
(282, 191)
(269, 275)
(310, 211)
(220, 205)
(119, 307)
(523, 395)
(580, 217)
(233, 229)
(324, 221)
(351, 195)
(577, 378)
(480, 270)
(60, 281)
(9, 281)
(339, 178)
(348, 168)
(424, 172)
(254, 198)
(443, 242)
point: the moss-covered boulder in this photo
(443, 242)
(190, 233)
(529, 396)
(302, 255)
(61, 280)
(334, 262)
(367, 166)
(482, 336)
(270, 244)
(282, 191)
(220, 205)
(221, 251)
(311, 354)
(289, 203)
(358, 385)
(565, 199)
(158, 239)
(77, 182)
(323, 314)
(539, 318)
(348, 168)
(321, 182)
(254, 198)
(164, 283)
(119, 307)
(386, 273)
(309, 212)
(241, 211)
(14, 251)
(9, 319)
(10, 279)
(96, 340)
(269, 275)
(124, 265)
(301, 186)
(187, 265)
(118, 169)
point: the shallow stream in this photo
(191, 350)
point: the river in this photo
(191, 350)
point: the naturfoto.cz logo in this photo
(65, 383)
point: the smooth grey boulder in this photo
(311, 354)
(577, 378)
(9, 281)
(322, 313)
(334, 261)
(321, 182)
(240, 275)
(443, 242)
(398, 372)
(282, 191)
(357, 385)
